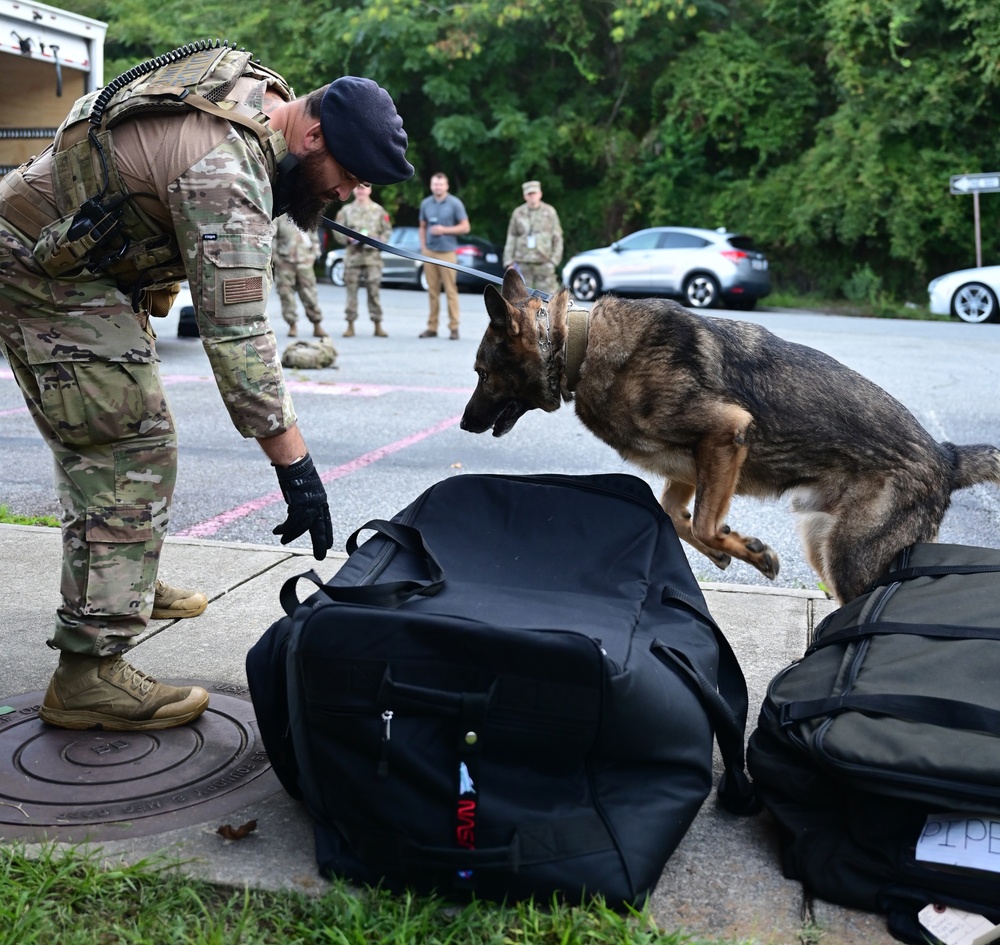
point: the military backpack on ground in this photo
(878, 753)
(309, 353)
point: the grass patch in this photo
(74, 898)
(878, 306)
(10, 518)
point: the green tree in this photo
(827, 129)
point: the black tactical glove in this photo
(308, 509)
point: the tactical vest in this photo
(100, 229)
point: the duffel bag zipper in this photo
(383, 764)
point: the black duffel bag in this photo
(510, 689)
(885, 733)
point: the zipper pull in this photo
(383, 764)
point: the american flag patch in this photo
(235, 291)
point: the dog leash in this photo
(409, 254)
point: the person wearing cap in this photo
(175, 170)
(534, 240)
(362, 262)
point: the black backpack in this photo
(891, 719)
(511, 689)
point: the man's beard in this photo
(305, 207)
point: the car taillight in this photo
(469, 250)
(734, 255)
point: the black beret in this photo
(364, 132)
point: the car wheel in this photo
(337, 272)
(585, 284)
(422, 278)
(974, 303)
(701, 291)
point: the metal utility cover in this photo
(74, 786)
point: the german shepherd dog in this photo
(722, 408)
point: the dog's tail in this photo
(972, 465)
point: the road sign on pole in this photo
(975, 183)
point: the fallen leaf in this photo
(237, 833)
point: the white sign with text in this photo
(968, 840)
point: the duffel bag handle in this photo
(736, 791)
(388, 594)
(580, 834)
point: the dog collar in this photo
(577, 330)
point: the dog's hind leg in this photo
(675, 499)
(719, 457)
(862, 544)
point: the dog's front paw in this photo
(764, 558)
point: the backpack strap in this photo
(944, 713)
(855, 632)
(932, 570)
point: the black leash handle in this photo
(409, 254)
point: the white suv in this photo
(704, 268)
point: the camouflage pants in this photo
(541, 276)
(371, 272)
(86, 365)
(291, 278)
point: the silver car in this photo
(704, 268)
(473, 251)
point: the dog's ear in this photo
(501, 316)
(557, 308)
(513, 287)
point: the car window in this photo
(741, 242)
(672, 240)
(406, 236)
(645, 240)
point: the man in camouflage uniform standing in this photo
(295, 255)
(95, 233)
(534, 240)
(361, 261)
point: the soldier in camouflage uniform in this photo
(534, 240)
(361, 261)
(294, 258)
(174, 170)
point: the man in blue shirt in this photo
(442, 218)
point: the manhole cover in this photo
(75, 786)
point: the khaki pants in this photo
(438, 278)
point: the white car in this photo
(969, 294)
(705, 268)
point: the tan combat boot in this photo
(105, 692)
(293, 330)
(172, 603)
(380, 332)
(319, 331)
(349, 333)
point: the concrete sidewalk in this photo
(723, 881)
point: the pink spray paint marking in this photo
(212, 525)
